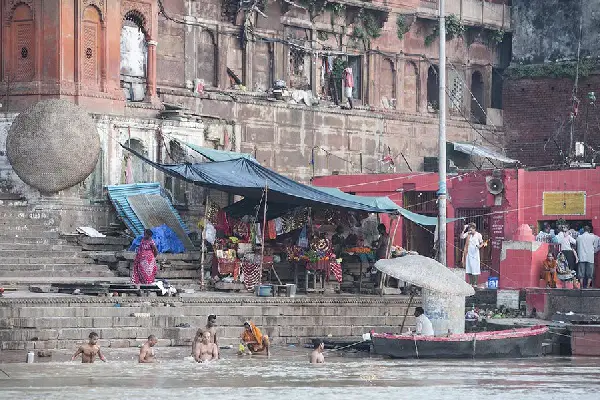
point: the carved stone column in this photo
(151, 78)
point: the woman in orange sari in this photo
(254, 340)
(549, 273)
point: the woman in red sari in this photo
(144, 265)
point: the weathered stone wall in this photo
(66, 322)
(548, 30)
(86, 204)
(282, 136)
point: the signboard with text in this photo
(564, 203)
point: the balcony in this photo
(472, 12)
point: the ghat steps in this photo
(31, 247)
(63, 322)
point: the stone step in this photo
(19, 282)
(57, 273)
(68, 344)
(261, 312)
(35, 253)
(48, 260)
(27, 213)
(10, 240)
(26, 234)
(228, 325)
(40, 247)
(184, 336)
(182, 274)
(50, 267)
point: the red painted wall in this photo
(521, 200)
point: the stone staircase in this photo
(66, 321)
(31, 249)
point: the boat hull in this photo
(498, 344)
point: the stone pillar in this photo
(446, 312)
(151, 72)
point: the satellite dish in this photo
(495, 186)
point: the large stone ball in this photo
(53, 145)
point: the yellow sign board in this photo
(564, 203)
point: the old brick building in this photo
(547, 90)
(126, 61)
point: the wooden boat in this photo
(525, 342)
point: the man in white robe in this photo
(471, 257)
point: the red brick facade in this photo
(69, 49)
(537, 119)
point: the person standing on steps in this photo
(144, 265)
(587, 246)
(471, 257)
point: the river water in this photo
(288, 376)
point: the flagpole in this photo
(442, 138)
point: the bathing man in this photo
(205, 350)
(147, 350)
(90, 350)
(317, 357)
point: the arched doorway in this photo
(477, 101)
(134, 57)
(433, 88)
(387, 84)
(411, 85)
(134, 170)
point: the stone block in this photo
(119, 343)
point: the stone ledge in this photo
(181, 301)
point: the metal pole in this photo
(442, 138)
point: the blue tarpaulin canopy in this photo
(245, 177)
(218, 155)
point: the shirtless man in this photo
(205, 350)
(211, 326)
(90, 350)
(147, 350)
(317, 357)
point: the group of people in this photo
(205, 346)
(576, 254)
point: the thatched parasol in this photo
(425, 272)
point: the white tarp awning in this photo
(473, 149)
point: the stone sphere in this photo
(53, 145)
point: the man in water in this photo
(317, 357)
(205, 350)
(147, 350)
(90, 350)
(211, 326)
(254, 340)
(424, 327)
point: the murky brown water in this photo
(287, 375)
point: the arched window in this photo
(92, 46)
(23, 44)
(477, 101)
(387, 84)
(134, 57)
(433, 88)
